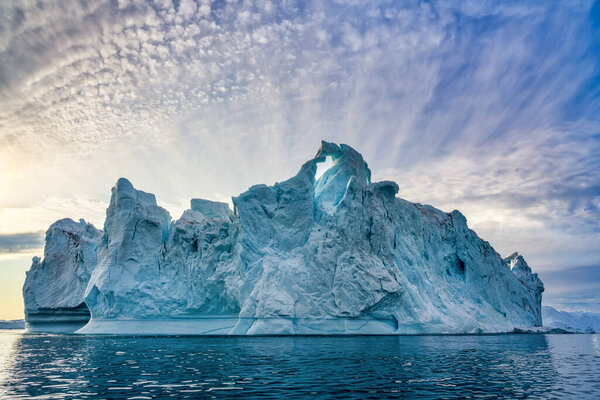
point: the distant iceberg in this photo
(571, 321)
(337, 254)
(12, 324)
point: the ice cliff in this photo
(333, 255)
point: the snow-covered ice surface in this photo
(333, 255)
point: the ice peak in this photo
(345, 157)
(348, 169)
(124, 184)
(516, 261)
(327, 149)
(523, 272)
(123, 191)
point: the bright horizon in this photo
(493, 110)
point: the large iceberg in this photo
(336, 254)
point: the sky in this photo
(491, 108)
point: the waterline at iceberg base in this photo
(337, 254)
(234, 325)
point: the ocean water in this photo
(440, 367)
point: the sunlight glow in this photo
(322, 167)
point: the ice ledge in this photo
(234, 326)
(211, 209)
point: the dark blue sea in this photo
(426, 367)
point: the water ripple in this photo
(441, 367)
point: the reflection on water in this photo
(7, 354)
(576, 359)
(495, 366)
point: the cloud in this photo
(21, 242)
(538, 191)
(576, 290)
(490, 108)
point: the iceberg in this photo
(313, 255)
(12, 324)
(55, 287)
(571, 321)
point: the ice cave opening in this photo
(322, 167)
